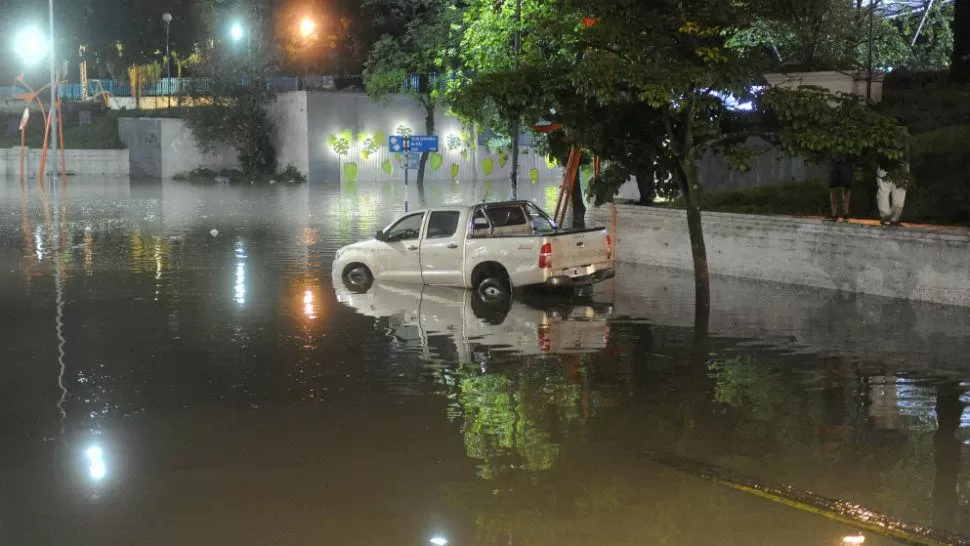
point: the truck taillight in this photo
(609, 247)
(545, 256)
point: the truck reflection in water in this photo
(534, 325)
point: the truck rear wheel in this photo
(494, 289)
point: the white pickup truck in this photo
(492, 248)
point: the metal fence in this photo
(177, 86)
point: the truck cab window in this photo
(406, 229)
(540, 222)
(506, 216)
(442, 224)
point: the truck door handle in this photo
(452, 245)
(412, 248)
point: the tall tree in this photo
(676, 56)
(236, 89)
(498, 39)
(418, 60)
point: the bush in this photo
(925, 101)
(941, 191)
(802, 199)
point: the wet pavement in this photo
(164, 383)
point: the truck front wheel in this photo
(358, 278)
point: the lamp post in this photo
(54, 87)
(167, 19)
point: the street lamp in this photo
(31, 45)
(236, 32)
(307, 26)
(167, 19)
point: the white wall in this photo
(897, 263)
(81, 162)
(289, 114)
(162, 148)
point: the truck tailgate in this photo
(579, 248)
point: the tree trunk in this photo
(646, 184)
(423, 162)
(702, 280)
(960, 63)
(514, 175)
(579, 206)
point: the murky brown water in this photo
(163, 385)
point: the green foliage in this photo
(403, 130)
(292, 174)
(102, 134)
(802, 199)
(768, 404)
(488, 166)
(821, 125)
(388, 167)
(350, 171)
(454, 171)
(369, 146)
(832, 35)
(237, 114)
(205, 175)
(340, 144)
(508, 416)
(925, 101)
(452, 142)
(435, 160)
(534, 176)
(604, 188)
(939, 166)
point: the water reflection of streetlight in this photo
(97, 469)
(308, 309)
(239, 287)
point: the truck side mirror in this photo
(480, 222)
(379, 235)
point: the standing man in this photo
(840, 183)
(891, 185)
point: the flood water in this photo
(163, 383)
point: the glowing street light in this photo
(236, 32)
(307, 27)
(31, 45)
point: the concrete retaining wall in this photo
(81, 162)
(897, 263)
(164, 147)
